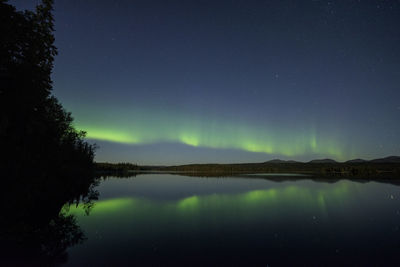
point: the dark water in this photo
(175, 220)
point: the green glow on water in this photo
(114, 204)
(188, 203)
(260, 195)
(252, 202)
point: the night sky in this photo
(174, 82)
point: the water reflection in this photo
(167, 219)
(307, 198)
(35, 229)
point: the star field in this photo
(172, 82)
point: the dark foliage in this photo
(115, 168)
(45, 162)
(36, 133)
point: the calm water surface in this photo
(159, 219)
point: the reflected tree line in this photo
(45, 162)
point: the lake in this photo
(163, 219)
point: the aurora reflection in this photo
(255, 200)
(157, 216)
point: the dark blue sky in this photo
(166, 82)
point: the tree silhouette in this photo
(36, 133)
(44, 161)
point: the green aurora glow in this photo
(218, 134)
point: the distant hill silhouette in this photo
(356, 161)
(384, 168)
(323, 161)
(390, 159)
(280, 161)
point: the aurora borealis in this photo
(155, 82)
(197, 132)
